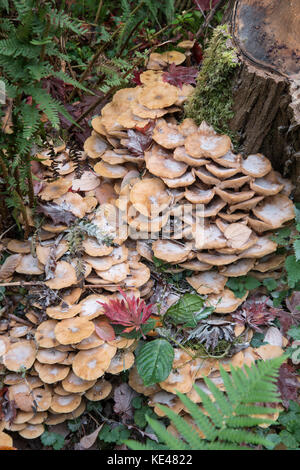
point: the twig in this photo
(98, 11)
(208, 19)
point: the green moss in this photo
(212, 99)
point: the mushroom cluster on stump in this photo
(143, 172)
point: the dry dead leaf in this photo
(9, 266)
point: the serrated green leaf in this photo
(53, 439)
(183, 311)
(154, 361)
(292, 267)
(296, 246)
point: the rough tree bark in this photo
(266, 87)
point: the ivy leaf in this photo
(177, 75)
(56, 213)
(183, 311)
(154, 361)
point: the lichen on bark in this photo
(212, 99)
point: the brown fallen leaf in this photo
(87, 441)
(9, 266)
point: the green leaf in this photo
(282, 236)
(270, 284)
(296, 246)
(257, 340)
(116, 434)
(52, 439)
(292, 267)
(294, 332)
(154, 361)
(288, 439)
(183, 311)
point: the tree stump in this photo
(266, 87)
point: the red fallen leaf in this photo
(104, 330)
(130, 312)
(197, 53)
(136, 77)
(177, 75)
(146, 129)
(288, 384)
(204, 5)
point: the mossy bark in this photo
(266, 100)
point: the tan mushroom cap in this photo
(99, 391)
(19, 246)
(92, 363)
(77, 412)
(113, 158)
(225, 302)
(43, 251)
(195, 265)
(63, 311)
(275, 210)
(245, 205)
(161, 163)
(93, 248)
(269, 185)
(65, 276)
(5, 440)
(136, 382)
(72, 202)
(95, 146)
(268, 351)
(210, 238)
(20, 355)
(216, 259)
(121, 362)
(73, 330)
(256, 165)
(50, 356)
(65, 404)
(264, 246)
(159, 95)
(237, 234)
(201, 145)
(23, 417)
(74, 384)
(199, 196)
(206, 177)
(87, 182)
(149, 196)
(170, 252)
(90, 306)
(55, 189)
(110, 171)
(207, 282)
(173, 57)
(180, 155)
(234, 197)
(4, 345)
(230, 160)
(269, 263)
(128, 120)
(115, 273)
(156, 62)
(185, 180)
(151, 77)
(51, 373)
(167, 135)
(42, 398)
(29, 265)
(221, 172)
(44, 335)
(258, 225)
(179, 379)
(39, 418)
(239, 268)
(54, 419)
(32, 431)
(99, 263)
(235, 182)
(19, 331)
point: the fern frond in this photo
(63, 21)
(31, 120)
(68, 79)
(227, 421)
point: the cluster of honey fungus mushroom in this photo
(145, 173)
